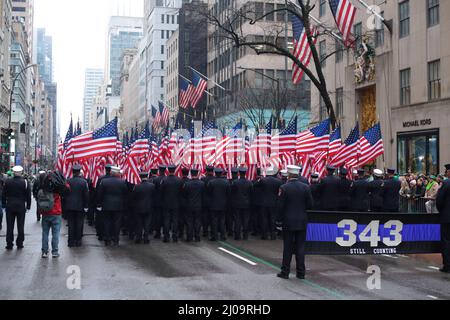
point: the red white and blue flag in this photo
(344, 14)
(302, 49)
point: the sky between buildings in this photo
(78, 28)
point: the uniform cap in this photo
(315, 175)
(295, 170)
(272, 171)
(154, 171)
(162, 168)
(391, 171)
(361, 172)
(76, 167)
(234, 170)
(171, 168)
(185, 171)
(218, 170)
(331, 168)
(378, 172)
(284, 173)
(210, 169)
(447, 167)
(242, 170)
(194, 172)
(115, 170)
(17, 169)
(343, 171)
(143, 174)
(42, 172)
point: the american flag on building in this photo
(314, 140)
(286, 141)
(344, 14)
(200, 85)
(302, 50)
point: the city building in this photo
(92, 80)
(399, 77)
(130, 88)
(186, 48)
(248, 87)
(5, 78)
(23, 11)
(160, 22)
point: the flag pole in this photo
(207, 78)
(211, 95)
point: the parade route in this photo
(232, 270)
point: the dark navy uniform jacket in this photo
(16, 194)
(360, 195)
(170, 192)
(218, 191)
(376, 195)
(270, 189)
(194, 191)
(142, 197)
(241, 194)
(112, 194)
(391, 195)
(294, 200)
(77, 196)
(329, 193)
(443, 202)
(206, 181)
(344, 194)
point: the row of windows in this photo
(405, 19)
(169, 19)
(165, 34)
(434, 83)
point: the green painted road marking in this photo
(270, 265)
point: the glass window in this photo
(270, 16)
(418, 152)
(162, 49)
(339, 51)
(280, 14)
(404, 19)
(259, 9)
(405, 87)
(379, 34)
(259, 78)
(323, 52)
(434, 80)
(339, 102)
(357, 31)
(162, 34)
(322, 7)
(433, 12)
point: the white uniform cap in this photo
(271, 171)
(294, 170)
(284, 173)
(355, 171)
(378, 172)
(115, 170)
(17, 169)
(42, 172)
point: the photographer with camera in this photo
(51, 189)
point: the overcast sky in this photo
(78, 28)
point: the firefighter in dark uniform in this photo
(112, 194)
(360, 193)
(170, 191)
(302, 179)
(270, 187)
(158, 215)
(218, 191)
(257, 202)
(193, 192)
(443, 206)
(391, 194)
(376, 191)
(16, 200)
(205, 210)
(345, 185)
(329, 191)
(315, 181)
(295, 199)
(229, 217)
(77, 204)
(182, 216)
(142, 200)
(241, 193)
(153, 174)
(284, 176)
(99, 222)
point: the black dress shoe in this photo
(107, 243)
(198, 240)
(213, 240)
(146, 241)
(166, 241)
(138, 241)
(20, 247)
(444, 270)
(300, 276)
(283, 276)
(9, 248)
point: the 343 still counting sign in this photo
(342, 233)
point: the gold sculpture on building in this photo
(365, 62)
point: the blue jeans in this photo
(53, 222)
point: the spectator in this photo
(431, 191)
(49, 201)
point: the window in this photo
(162, 18)
(173, 19)
(434, 80)
(162, 49)
(259, 9)
(357, 31)
(379, 34)
(162, 82)
(405, 87)
(269, 8)
(280, 14)
(418, 152)
(162, 65)
(323, 52)
(162, 34)
(322, 7)
(339, 102)
(339, 51)
(404, 19)
(167, 34)
(167, 19)
(259, 78)
(433, 12)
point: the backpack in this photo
(45, 200)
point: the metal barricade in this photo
(413, 205)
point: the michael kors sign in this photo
(417, 123)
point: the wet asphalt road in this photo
(204, 271)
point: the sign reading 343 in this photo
(370, 234)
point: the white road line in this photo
(389, 256)
(432, 297)
(434, 268)
(238, 256)
(402, 255)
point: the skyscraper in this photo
(93, 79)
(44, 56)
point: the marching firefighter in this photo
(241, 193)
(170, 192)
(270, 186)
(218, 191)
(142, 200)
(193, 192)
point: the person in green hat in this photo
(431, 192)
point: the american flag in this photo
(285, 142)
(371, 145)
(344, 15)
(164, 114)
(235, 146)
(96, 143)
(302, 50)
(156, 117)
(314, 140)
(141, 145)
(260, 148)
(200, 85)
(349, 150)
(186, 90)
(335, 142)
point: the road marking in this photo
(432, 297)
(402, 255)
(389, 256)
(272, 266)
(434, 268)
(238, 256)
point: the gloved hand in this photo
(86, 210)
(279, 225)
(99, 209)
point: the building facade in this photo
(252, 87)
(400, 78)
(130, 113)
(93, 78)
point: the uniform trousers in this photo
(217, 224)
(76, 221)
(268, 217)
(294, 244)
(157, 221)
(11, 216)
(241, 223)
(193, 218)
(206, 221)
(112, 222)
(142, 223)
(99, 224)
(170, 224)
(445, 239)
